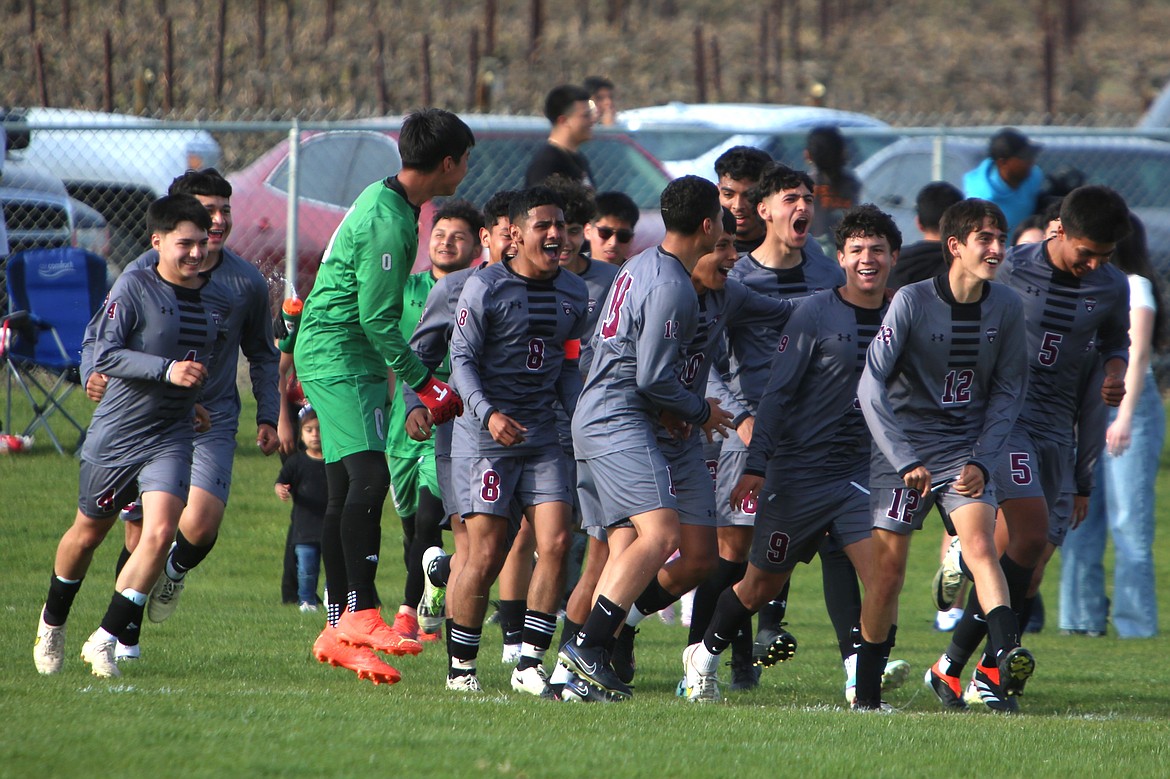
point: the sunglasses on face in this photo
(623, 235)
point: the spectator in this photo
(836, 188)
(601, 95)
(611, 231)
(924, 259)
(302, 480)
(567, 108)
(1009, 177)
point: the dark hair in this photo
(579, 206)
(595, 84)
(867, 220)
(618, 205)
(777, 177)
(933, 199)
(1034, 222)
(1096, 213)
(460, 209)
(499, 204)
(1132, 257)
(431, 135)
(1052, 211)
(208, 182)
(307, 414)
(686, 202)
(742, 163)
(561, 99)
(964, 218)
(166, 213)
(728, 221)
(826, 149)
(533, 197)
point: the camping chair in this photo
(52, 295)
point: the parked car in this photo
(336, 165)
(688, 138)
(1138, 168)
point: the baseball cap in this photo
(1010, 142)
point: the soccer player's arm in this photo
(570, 381)
(467, 345)
(257, 342)
(1006, 395)
(1092, 421)
(1113, 344)
(119, 318)
(659, 350)
(881, 363)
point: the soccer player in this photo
(514, 354)
(943, 382)
(1073, 299)
(611, 230)
(348, 334)
(808, 463)
(239, 290)
(567, 108)
(650, 316)
(738, 170)
(154, 341)
(454, 243)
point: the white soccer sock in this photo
(134, 596)
(560, 674)
(704, 660)
(634, 617)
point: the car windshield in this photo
(336, 167)
(679, 143)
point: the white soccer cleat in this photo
(944, 589)
(49, 648)
(700, 683)
(533, 681)
(511, 654)
(164, 597)
(100, 656)
(464, 683)
(434, 599)
(127, 654)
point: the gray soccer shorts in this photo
(1060, 518)
(489, 485)
(899, 509)
(103, 491)
(618, 485)
(1034, 468)
(693, 485)
(790, 526)
(730, 468)
(211, 466)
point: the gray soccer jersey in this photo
(750, 348)
(639, 356)
(1064, 317)
(944, 381)
(810, 428)
(598, 276)
(508, 355)
(145, 326)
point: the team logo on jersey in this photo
(592, 305)
(845, 337)
(992, 332)
(216, 318)
(938, 337)
(567, 307)
(1090, 304)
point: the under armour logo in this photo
(515, 304)
(1033, 291)
(844, 336)
(167, 310)
(938, 337)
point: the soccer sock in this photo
(1026, 608)
(726, 573)
(601, 625)
(462, 648)
(407, 544)
(568, 630)
(332, 554)
(1004, 631)
(1019, 578)
(512, 620)
(654, 598)
(729, 615)
(968, 634)
(426, 533)
(842, 596)
(871, 662)
(772, 613)
(125, 609)
(537, 637)
(361, 524)
(741, 643)
(185, 555)
(123, 556)
(440, 571)
(559, 678)
(59, 601)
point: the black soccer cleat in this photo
(622, 660)
(592, 665)
(773, 646)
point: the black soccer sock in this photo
(1027, 608)
(601, 625)
(187, 555)
(288, 574)
(131, 635)
(462, 647)
(426, 533)
(871, 663)
(512, 620)
(59, 601)
(1003, 630)
(123, 557)
(361, 525)
(726, 573)
(969, 633)
(539, 628)
(1019, 579)
(741, 644)
(440, 571)
(332, 554)
(772, 613)
(654, 598)
(121, 613)
(407, 540)
(568, 629)
(725, 622)
(842, 595)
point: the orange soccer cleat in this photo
(328, 648)
(367, 628)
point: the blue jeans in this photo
(308, 566)
(1123, 502)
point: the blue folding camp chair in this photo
(52, 295)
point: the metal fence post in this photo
(290, 239)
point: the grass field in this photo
(227, 686)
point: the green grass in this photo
(227, 686)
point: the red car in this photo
(336, 165)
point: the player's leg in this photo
(581, 599)
(550, 521)
(879, 612)
(467, 596)
(513, 586)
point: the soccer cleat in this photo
(881, 708)
(850, 664)
(164, 597)
(592, 665)
(532, 680)
(984, 688)
(948, 578)
(895, 674)
(308, 608)
(328, 648)
(511, 654)
(701, 685)
(49, 648)
(424, 638)
(434, 599)
(622, 660)
(405, 625)
(464, 683)
(773, 646)
(577, 690)
(948, 689)
(366, 628)
(100, 656)
(745, 675)
(124, 653)
(1016, 667)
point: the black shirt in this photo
(551, 159)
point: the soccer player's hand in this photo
(719, 422)
(919, 479)
(745, 430)
(505, 430)
(267, 439)
(282, 491)
(1113, 390)
(970, 482)
(418, 424)
(1080, 510)
(95, 386)
(442, 401)
(186, 373)
(678, 429)
(202, 419)
(748, 487)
